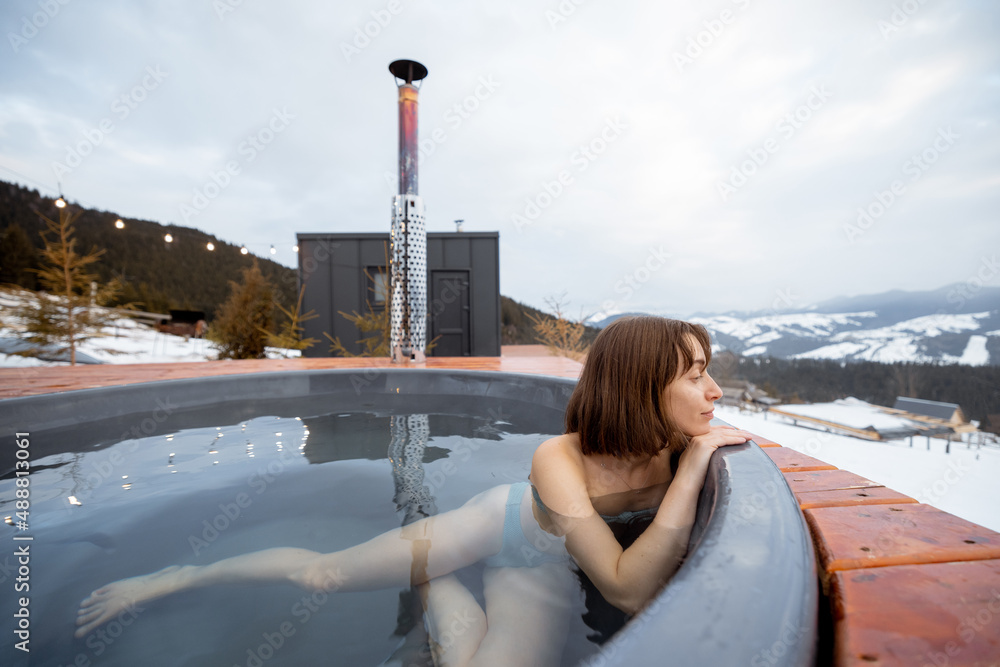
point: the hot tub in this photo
(127, 480)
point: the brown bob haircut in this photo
(618, 405)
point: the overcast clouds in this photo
(662, 156)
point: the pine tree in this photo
(245, 320)
(375, 323)
(69, 309)
(289, 337)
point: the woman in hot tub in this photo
(635, 453)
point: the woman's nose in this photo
(714, 390)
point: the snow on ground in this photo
(975, 353)
(851, 412)
(133, 343)
(835, 351)
(764, 338)
(962, 482)
(130, 342)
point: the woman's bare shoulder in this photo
(562, 450)
(557, 471)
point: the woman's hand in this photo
(123, 596)
(693, 463)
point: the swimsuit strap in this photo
(538, 500)
(512, 514)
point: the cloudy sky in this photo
(670, 157)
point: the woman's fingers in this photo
(720, 436)
(91, 621)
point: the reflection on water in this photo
(407, 448)
(410, 434)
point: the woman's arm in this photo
(627, 578)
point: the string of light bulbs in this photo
(60, 202)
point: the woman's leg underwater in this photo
(528, 611)
(456, 624)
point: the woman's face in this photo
(691, 397)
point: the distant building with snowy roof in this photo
(950, 413)
(741, 393)
(944, 417)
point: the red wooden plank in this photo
(939, 614)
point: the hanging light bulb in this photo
(273, 250)
(119, 224)
(295, 248)
(243, 250)
(60, 203)
(210, 246)
(168, 238)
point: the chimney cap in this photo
(407, 70)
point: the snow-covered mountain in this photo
(957, 324)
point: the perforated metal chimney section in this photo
(408, 237)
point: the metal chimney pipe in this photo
(408, 71)
(408, 238)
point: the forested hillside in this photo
(975, 388)
(157, 275)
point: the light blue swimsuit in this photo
(517, 551)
